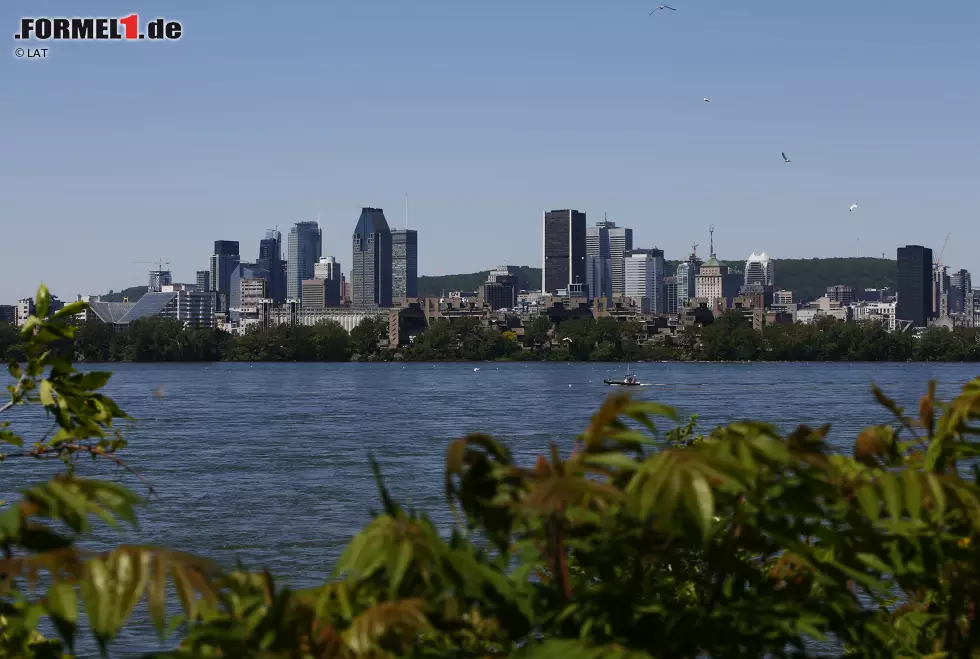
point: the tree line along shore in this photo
(729, 338)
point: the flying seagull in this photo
(785, 159)
(853, 206)
(707, 100)
(659, 7)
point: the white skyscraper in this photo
(644, 275)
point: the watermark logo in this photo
(97, 29)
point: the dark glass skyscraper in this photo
(305, 248)
(914, 285)
(563, 250)
(404, 264)
(223, 261)
(270, 259)
(371, 268)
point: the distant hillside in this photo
(807, 278)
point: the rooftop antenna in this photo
(711, 230)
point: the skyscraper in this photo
(644, 269)
(204, 280)
(759, 270)
(270, 258)
(960, 287)
(371, 269)
(914, 302)
(305, 247)
(563, 250)
(620, 242)
(599, 261)
(404, 264)
(223, 261)
(328, 270)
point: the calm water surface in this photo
(267, 463)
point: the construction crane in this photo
(159, 263)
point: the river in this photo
(267, 463)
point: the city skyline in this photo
(224, 141)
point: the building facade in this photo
(25, 309)
(687, 272)
(328, 269)
(915, 289)
(404, 265)
(305, 247)
(759, 270)
(598, 251)
(252, 291)
(671, 297)
(8, 314)
(371, 266)
(709, 283)
(159, 279)
(644, 278)
(843, 295)
(204, 280)
(270, 258)
(960, 290)
(563, 250)
(620, 243)
(223, 261)
(241, 272)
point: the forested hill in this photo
(807, 278)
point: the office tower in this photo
(914, 302)
(404, 265)
(644, 270)
(305, 247)
(241, 272)
(223, 261)
(940, 291)
(270, 258)
(204, 280)
(960, 288)
(371, 268)
(159, 279)
(687, 272)
(328, 270)
(599, 260)
(563, 250)
(759, 270)
(252, 290)
(620, 242)
(670, 295)
(501, 288)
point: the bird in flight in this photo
(707, 100)
(853, 206)
(659, 7)
(785, 159)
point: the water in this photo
(267, 463)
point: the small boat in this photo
(628, 381)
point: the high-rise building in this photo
(644, 278)
(252, 291)
(223, 261)
(371, 268)
(204, 280)
(759, 270)
(8, 313)
(305, 247)
(940, 291)
(960, 289)
(687, 272)
(328, 270)
(914, 285)
(404, 265)
(159, 279)
(841, 294)
(563, 250)
(241, 272)
(620, 242)
(599, 260)
(710, 283)
(270, 258)
(671, 298)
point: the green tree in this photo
(367, 335)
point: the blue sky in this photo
(486, 114)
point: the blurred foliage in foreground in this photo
(637, 543)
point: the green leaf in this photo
(97, 596)
(63, 609)
(42, 302)
(913, 493)
(891, 494)
(700, 501)
(868, 500)
(70, 309)
(47, 393)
